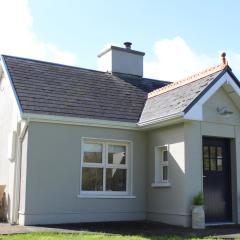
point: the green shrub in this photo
(198, 200)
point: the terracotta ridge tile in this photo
(189, 79)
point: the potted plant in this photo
(198, 215)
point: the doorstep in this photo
(209, 224)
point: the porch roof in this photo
(178, 98)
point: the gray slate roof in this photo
(176, 100)
(55, 89)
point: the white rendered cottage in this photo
(79, 145)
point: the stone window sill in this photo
(161, 185)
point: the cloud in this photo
(175, 60)
(18, 38)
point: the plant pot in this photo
(198, 217)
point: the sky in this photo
(179, 37)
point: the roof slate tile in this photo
(60, 90)
(55, 89)
(174, 101)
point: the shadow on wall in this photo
(172, 203)
(169, 203)
(184, 179)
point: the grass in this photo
(87, 236)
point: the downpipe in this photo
(17, 173)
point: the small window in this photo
(104, 167)
(161, 165)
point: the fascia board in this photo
(79, 121)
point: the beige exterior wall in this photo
(193, 161)
(168, 204)
(9, 115)
(53, 177)
(173, 204)
(50, 167)
(220, 99)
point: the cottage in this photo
(80, 145)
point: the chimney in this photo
(121, 60)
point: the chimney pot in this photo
(223, 57)
(128, 45)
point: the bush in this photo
(198, 200)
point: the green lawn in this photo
(84, 236)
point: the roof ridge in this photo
(80, 68)
(118, 74)
(189, 79)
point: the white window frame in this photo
(105, 165)
(159, 165)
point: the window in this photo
(213, 158)
(161, 167)
(105, 167)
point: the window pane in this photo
(219, 152)
(92, 153)
(213, 164)
(165, 173)
(219, 164)
(212, 152)
(92, 179)
(165, 156)
(116, 179)
(205, 152)
(116, 154)
(206, 164)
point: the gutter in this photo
(162, 122)
(17, 170)
(24, 130)
(159, 122)
(79, 121)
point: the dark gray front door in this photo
(217, 179)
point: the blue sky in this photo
(178, 37)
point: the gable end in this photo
(194, 110)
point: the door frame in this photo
(229, 176)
